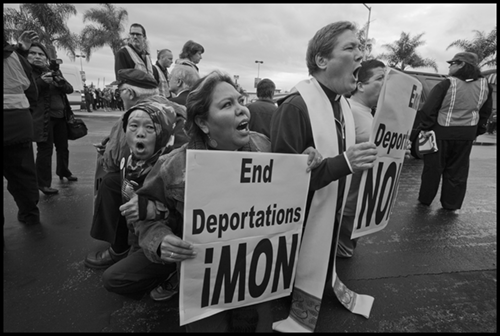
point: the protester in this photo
(165, 59)
(363, 100)
(119, 101)
(50, 119)
(135, 54)
(318, 115)
(263, 108)
(191, 54)
(89, 98)
(148, 130)
(182, 78)
(457, 110)
(208, 125)
(136, 87)
(20, 96)
(95, 99)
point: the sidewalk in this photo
(99, 113)
(486, 139)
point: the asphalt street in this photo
(429, 270)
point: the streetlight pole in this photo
(80, 56)
(258, 67)
(367, 29)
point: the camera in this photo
(54, 64)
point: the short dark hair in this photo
(140, 26)
(324, 41)
(199, 99)
(366, 71)
(190, 48)
(468, 71)
(265, 88)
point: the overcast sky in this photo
(236, 35)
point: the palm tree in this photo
(48, 20)
(369, 43)
(403, 53)
(109, 22)
(485, 46)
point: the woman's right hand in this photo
(174, 249)
(47, 77)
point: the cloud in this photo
(236, 35)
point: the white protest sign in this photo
(392, 124)
(243, 213)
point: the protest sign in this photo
(243, 213)
(392, 124)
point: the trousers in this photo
(20, 172)
(58, 137)
(135, 275)
(451, 165)
(107, 222)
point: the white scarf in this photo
(312, 264)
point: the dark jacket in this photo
(41, 115)
(181, 98)
(261, 113)
(124, 61)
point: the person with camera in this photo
(50, 118)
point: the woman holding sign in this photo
(217, 119)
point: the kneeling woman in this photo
(216, 119)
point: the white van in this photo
(72, 75)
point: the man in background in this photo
(165, 59)
(363, 100)
(263, 108)
(135, 54)
(182, 79)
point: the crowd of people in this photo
(139, 204)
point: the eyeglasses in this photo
(455, 62)
(135, 34)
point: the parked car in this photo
(491, 76)
(72, 75)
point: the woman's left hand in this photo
(314, 158)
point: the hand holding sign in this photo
(174, 249)
(362, 156)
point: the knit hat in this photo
(41, 46)
(467, 57)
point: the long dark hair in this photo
(199, 100)
(468, 71)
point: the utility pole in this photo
(258, 72)
(367, 29)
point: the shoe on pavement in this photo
(104, 259)
(48, 190)
(28, 220)
(167, 289)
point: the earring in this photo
(211, 142)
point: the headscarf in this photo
(163, 118)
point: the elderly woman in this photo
(216, 120)
(191, 54)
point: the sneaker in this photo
(167, 289)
